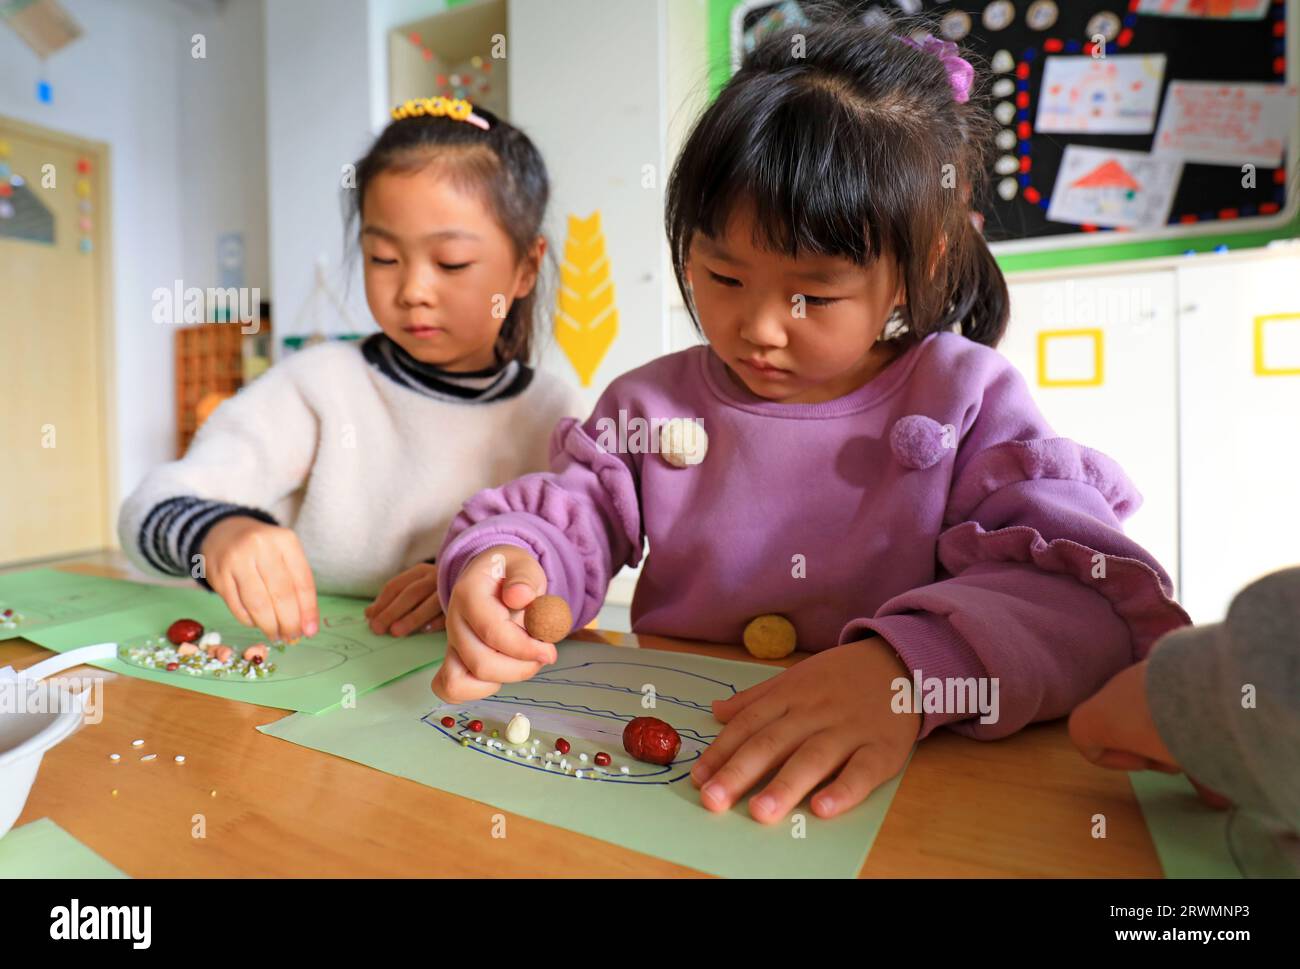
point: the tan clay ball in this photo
(548, 618)
(770, 637)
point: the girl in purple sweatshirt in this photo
(849, 452)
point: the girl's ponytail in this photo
(979, 290)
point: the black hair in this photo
(501, 162)
(843, 151)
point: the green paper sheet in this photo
(41, 849)
(587, 697)
(311, 675)
(1191, 837)
(48, 597)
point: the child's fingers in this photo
(392, 588)
(412, 597)
(256, 599)
(453, 683)
(523, 582)
(483, 661)
(748, 722)
(420, 617)
(492, 625)
(284, 598)
(868, 768)
(1213, 798)
(724, 710)
(816, 759)
(304, 584)
(462, 683)
(757, 757)
(476, 601)
(734, 767)
(224, 586)
(1126, 760)
(1118, 718)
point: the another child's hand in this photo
(828, 715)
(486, 645)
(1114, 728)
(261, 572)
(408, 602)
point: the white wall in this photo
(223, 142)
(687, 83)
(317, 120)
(384, 16)
(326, 99)
(129, 81)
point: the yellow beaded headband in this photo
(457, 109)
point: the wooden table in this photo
(1020, 806)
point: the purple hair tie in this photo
(961, 76)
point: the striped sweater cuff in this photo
(173, 532)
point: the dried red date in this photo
(651, 740)
(184, 631)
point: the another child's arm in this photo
(208, 514)
(564, 532)
(1220, 701)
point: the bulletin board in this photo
(1094, 186)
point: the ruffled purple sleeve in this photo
(1038, 586)
(581, 519)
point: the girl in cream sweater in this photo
(341, 467)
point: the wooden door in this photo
(54, 344)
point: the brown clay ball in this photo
(770, 637)
(548, 618)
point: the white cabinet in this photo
(1197, 397)
(1099, 353)
(1240, 404)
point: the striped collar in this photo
(476, 386)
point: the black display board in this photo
(1196, 49)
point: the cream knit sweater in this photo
(366, 467)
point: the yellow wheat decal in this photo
(586, 320)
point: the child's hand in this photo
(407, 602)
(486, 645)
(261, 572)
(1114, 728)
(828, 715)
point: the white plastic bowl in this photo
(26, 736)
